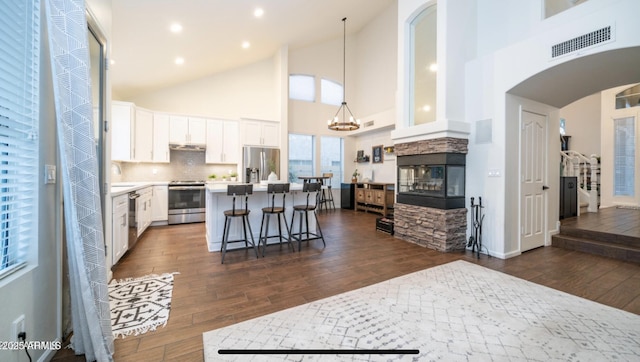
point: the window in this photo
(624, 148)
(19, 105)
(553, 7)
(302, 87)
(331, 92)
(628, 98)
(301, 156)
(331, 152)
(423, 57)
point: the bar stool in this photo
(303, 211)
(238, 191)
(327, 199)
(267, 212)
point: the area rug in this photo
(140, 305)
(453, 312)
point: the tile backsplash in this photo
(184, 166)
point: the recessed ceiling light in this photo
(246, 44)
(433, 67)
(112, 62)
(179, 60)
(175, 28)
(258, 12)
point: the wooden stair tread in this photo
(603, 248)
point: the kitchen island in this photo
(217, 201)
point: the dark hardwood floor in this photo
(612, 232)
(208, 295)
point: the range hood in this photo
(188, 147)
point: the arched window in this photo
(628, 98)
(423, 68)
(331, 92)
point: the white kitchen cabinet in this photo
(122, 117)
(160, 203)
(119, 227)
(143, 136)
(143, 209)
(161, 137)
(187, 130)
(261, 133)
(222, 142)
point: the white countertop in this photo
(120, 188)
(222, 187)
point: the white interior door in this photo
(533, 157)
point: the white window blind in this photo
(331, 92)
(624, 156)
(19, 103)
(302, 87)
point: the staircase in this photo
(612, 232)
(587, 170)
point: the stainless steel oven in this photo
(186, 202)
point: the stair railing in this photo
(577, 165)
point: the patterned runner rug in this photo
(453, 312)
(140, 305)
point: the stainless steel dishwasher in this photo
(133, 219)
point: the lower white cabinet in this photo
(160, 203)
(143, 209)
(120, 227)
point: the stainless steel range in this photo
(186, 202)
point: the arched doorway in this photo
(555, 88)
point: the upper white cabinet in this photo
(122, 116)
(187, 130)
(143, 136)
(222, 142)
(261, 133)
(160, 137)
(132, 137)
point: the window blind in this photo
(302, 87)
(19, 113)
(331, 92)
(624, 160)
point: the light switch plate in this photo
(49, 174)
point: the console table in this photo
(374, 196)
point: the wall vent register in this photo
(581, 42)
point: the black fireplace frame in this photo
(433, 159)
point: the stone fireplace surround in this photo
(438, 229)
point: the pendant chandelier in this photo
(344, 123)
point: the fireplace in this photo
(432, 180)
(430, 204)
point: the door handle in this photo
(545, 188)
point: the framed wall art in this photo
(377, 154)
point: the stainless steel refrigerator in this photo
(258, 162)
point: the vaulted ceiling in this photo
(144, 50)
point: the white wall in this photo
(582, 123)
(376, 172)
(376, 66)
(495, 73)
(370, 75)
(246, 92)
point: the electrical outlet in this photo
(17, 326)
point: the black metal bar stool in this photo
(327, 194)
(238, 191)
(303, 211)
(267, 212)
